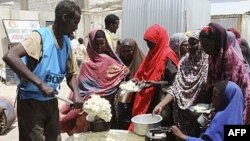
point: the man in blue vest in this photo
(42, 60)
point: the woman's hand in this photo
(127, 71)
(177, 132)
(157, 110)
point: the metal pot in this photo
(124, 97)
(97, 125)
(143, 123)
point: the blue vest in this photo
(51, 69)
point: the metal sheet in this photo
(238, 21)
(174, 15)
(228, 21)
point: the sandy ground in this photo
(9, 91)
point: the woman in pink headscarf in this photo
(101, 75)
(224, 63)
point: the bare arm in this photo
(13, 59)
(168, 98)
(158, 108)
(71, 81)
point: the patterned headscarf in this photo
(191, 76)
(193, 34)
(102, 73)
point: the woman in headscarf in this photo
(228, 103)
(224, 63)
(245, 50)
(243, 44)
(236, 33)
(100, 75)
(132, 57)
(160, 64)
(188, 88)
(178, 43)
(232, 40)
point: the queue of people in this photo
(202, 66)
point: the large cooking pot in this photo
(143, 123)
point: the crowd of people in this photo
(210, 65)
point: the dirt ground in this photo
(9, 91)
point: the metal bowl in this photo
(143, 123)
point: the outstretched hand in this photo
(157, 110)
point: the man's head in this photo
(67, 16)
(111, 23)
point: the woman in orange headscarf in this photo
(160, 64)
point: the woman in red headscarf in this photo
(160, 64)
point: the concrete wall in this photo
(42, 5)
(5, 14)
